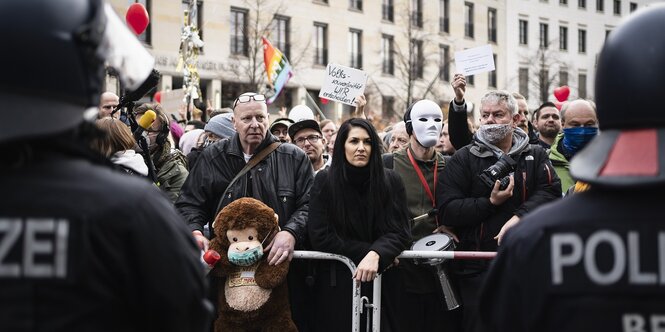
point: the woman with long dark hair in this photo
(357, 209)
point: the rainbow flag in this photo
(278, 68)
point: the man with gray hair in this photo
(487, 186)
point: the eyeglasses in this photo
(247, 98)
(313, 139)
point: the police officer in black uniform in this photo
(596, 261)
(82, 247)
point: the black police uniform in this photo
(86, 248)
(593, 262)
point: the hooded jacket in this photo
(463, 199)
(282, 181)
(561, 164)
(131, 161)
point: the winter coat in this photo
(561, 164)
(589, 262)
(97, 251)
(282, 181)
(463, 199)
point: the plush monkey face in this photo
(245, 249)
(243, 240)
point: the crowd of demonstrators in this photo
(84, 246)
(280, 128)
(474, 198)
(357, 209)
(593, 261)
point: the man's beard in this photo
(549, 132)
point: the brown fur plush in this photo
(262, 305)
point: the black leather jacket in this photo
(282, 181)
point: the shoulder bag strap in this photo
(250, 164)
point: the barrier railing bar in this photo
(355, 291)
(376, 300)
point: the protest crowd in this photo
(108, 206)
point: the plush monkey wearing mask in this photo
(252, 294)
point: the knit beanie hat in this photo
(221, 125)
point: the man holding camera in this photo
(487, 186)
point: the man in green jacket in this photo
(580, 125)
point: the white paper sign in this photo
(475, 60)
(172, 101)
(343, 84)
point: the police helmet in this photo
(53, 61)
(629, 85)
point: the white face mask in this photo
(494, 133)
(427, 120)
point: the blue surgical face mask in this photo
(249, 257)
(246, 258)
(576, 138)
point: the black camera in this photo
(499, 171)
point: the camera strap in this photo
(424, 182)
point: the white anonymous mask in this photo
(427, 120)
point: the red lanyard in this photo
(423, 181)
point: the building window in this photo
(563, 38)
(146, 36)
(491, 76)
(387, 55)
(524, 82)
(491, 25)
(280, 36)
(633, 7)
(417, 58)
(239, 43)
(356, 4)
(544, 38)
(355, 48)
(600, 5)
(444, 63)
(444, 16)
(468, 19)
(563, 77)
(581, 40)
(617, 7)
(563, 2)
(524, 32)
(320, 44)
(387, 11)
(581, 4)
(417, 13)
(581, 80)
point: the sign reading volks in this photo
(343, 84)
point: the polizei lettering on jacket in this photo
(33, 247)
(608, 257)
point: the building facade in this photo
(554, 43)
(406, 47)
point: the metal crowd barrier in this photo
(376, 301)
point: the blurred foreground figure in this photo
(595, 261)
(82, 247)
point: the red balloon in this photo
(158, 97)
(324, 101)
(561, 93)
(137, 18)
